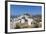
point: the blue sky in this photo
(21, 9)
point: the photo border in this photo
(6, 16)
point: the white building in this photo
(29, 21)
(22, 19)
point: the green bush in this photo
(17, 26)
(34, 24)
(21, 25)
